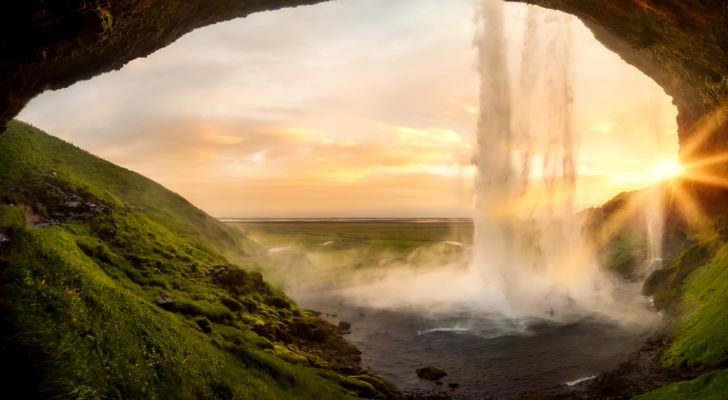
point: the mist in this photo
(527, 256)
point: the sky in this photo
(351, 108)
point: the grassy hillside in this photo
(114, 287)
(699, 345)
(691, 291)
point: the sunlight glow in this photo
(666, 169)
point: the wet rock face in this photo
(681, 44)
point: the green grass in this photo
(381, 236)
(34, 162)
(700, 337)
(699, 342)
(711, 386)
(80, 284)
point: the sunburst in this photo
(681, 182)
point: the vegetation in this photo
(700, 337)
(695, 287)
(692, 291)
(710, 386)
(322, 253)
(114, 287)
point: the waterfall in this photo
(654, 206)
(529, 250)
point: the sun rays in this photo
(683, 185)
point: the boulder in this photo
(430, 373)
(344, 327)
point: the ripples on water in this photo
(486, 355)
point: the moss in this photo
(286, 354)
(700, 340)
(107, 19)
(711, 386)
(666, 285)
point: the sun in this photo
(666, 169)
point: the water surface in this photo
(487, 356)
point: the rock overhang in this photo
(682, 45)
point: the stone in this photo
(430, 373)
(73, 204)
(344, 326)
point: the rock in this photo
(166, 303)
(453, 385)
(4, 237)
(72, 204)
(430, 373)
(344, 327)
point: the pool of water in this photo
(487, 356)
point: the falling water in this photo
(654, 206)
(529, 248)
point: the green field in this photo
(319, 253)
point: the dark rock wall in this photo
(50, 44)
